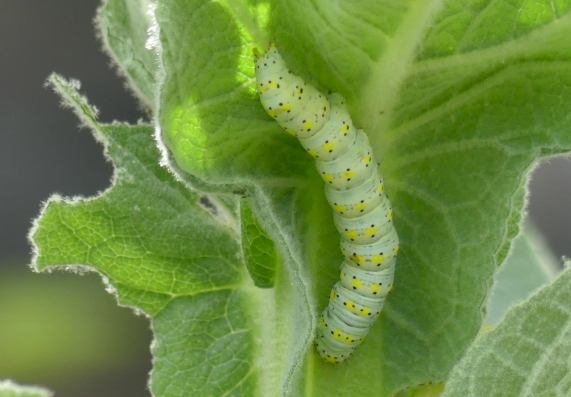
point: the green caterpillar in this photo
(353, 187)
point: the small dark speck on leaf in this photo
(207, 204)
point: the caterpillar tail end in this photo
(333, 345)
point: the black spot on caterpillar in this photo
(362, 212)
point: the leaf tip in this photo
(68, 91)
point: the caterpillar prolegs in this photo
(353, 187)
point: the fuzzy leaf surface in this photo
(526, 355)
(457, 106)
(164, 255)
(124, 29)
(259, 250)
(459, 99)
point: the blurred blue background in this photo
(61, 330)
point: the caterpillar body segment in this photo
(375, 256)
(334, 138)
(359, 200)
(354, 189)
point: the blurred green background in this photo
(64, 331)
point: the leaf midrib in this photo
(380, 93)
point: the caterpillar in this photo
(354, 189)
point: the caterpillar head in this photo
(270, 67)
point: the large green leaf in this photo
(459, 99)
(174, 254)
(164, 254)
(11, 389)
(526, 355)
(457, 105)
